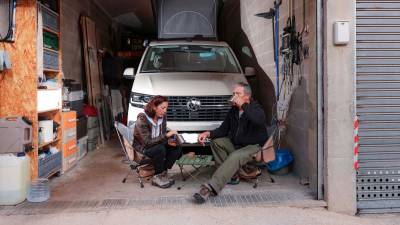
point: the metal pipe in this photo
(320, 98)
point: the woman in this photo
(153, 140)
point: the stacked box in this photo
(50, 60)
(82, 147)
(50, 41)
(50, 19)
(93, 132)
(50, 165)
(51, 4)
(69, 141)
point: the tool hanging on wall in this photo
(274, 15)
(291, 51)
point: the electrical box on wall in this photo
(341, 33)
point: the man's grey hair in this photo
(246, 87)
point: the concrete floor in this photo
(99, 175)
(92, 193)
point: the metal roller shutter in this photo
(378, 105)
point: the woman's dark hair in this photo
(153, 103)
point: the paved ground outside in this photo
(202, 216)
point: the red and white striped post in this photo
(356, 142)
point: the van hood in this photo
(186, 84)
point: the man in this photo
(234, 143)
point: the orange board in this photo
(18, 86)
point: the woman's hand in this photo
(171, 133)
(203, 136)
(172, 142)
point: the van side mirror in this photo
(129, 73)
(249, 71)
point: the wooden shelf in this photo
(130, 54)
(47, 111)
(48, 143)
(50, 70)
(51, 31)
(49, 89)
(50, 50)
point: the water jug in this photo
(14, 178)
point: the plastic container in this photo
(14, 178)
(83, 147)
(50, 19)
(46, 127)
(283, 157)
(50, 60)
(39, 190)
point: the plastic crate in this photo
(69, 162)
(77, 106)
(50, 165)
(81, 127)
(51, 4)
(82, 147)
(50, 19)
(93, 122)
(50, 40)
(50, 60)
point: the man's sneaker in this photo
(234, 180)
(165, 176)
(203, 195)
(160, 181)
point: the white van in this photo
(196, 76)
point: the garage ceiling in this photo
(137, 14)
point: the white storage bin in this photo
(46, 131)
(49, 100)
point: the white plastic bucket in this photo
(46, 127)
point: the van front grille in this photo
(211, 108)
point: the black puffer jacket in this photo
(249, 129)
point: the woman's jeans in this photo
(163, 156)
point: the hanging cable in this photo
(10, 21)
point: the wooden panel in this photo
(93, 77)
(18, 85)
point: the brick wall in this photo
(301, 132)
(71, 10)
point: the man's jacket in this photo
(249, 129)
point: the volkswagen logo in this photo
(193, 104)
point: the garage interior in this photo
(121, 28)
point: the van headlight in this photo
(139, 100)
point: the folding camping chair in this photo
(139, 164)
(265, 155)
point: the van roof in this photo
(188, 42)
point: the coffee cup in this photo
(232, 100)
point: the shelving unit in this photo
(49, 101)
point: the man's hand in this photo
(239, 101)
(202, 137)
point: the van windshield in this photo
(189, 58)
